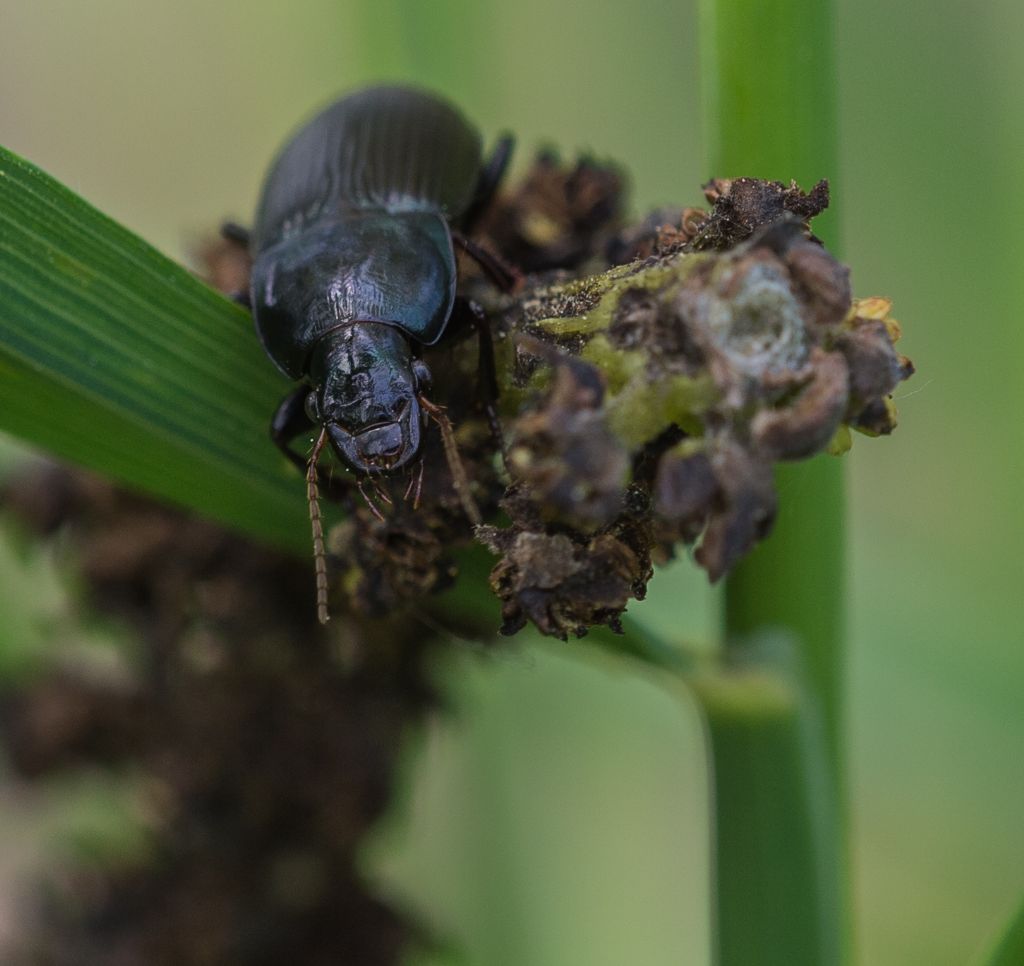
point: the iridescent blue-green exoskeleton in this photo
(354, 271)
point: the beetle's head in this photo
(366, 384)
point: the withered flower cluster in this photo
(651, 377)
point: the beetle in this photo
(354, 272)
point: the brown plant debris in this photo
(558, 216)
(263, 746)
(564, 584)
(742, 206)
(563, 453)
(649, 377)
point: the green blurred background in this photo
(561, 818)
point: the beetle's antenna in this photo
(451, 453)
(319, 556)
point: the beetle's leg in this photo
(504, 276)
(501, 274)
(467, 311)
(288, 421)
(233, 232)
(451, 455)
(488, 379)
(487, 184)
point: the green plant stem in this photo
(769, 112)
(777, 842)
(794, 580)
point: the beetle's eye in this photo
(421, 372)
(312, 409)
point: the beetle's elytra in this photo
(354, 267)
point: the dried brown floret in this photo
(877, 418)
(876, 368)
(821, 283)
(663, 232)
(810, 418)
(686, 492)
(723, 493)
(563, 451)
(745, 513)
(562, 584)
(867, 341)
(559, 216)
(742, 206)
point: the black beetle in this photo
(354, 266)
(354, 271)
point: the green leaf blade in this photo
(115, 357)
(1009, 948)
